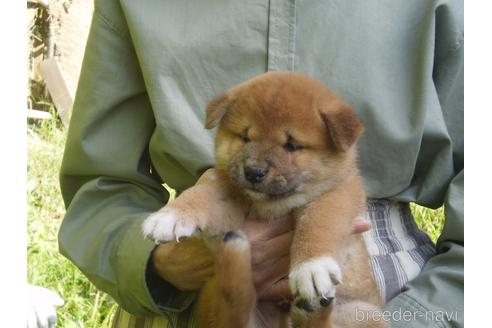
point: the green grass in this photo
(428, 220)
(85, 306)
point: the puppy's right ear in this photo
(216, 109)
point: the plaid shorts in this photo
(398, 250)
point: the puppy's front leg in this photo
(322, 229)
(212, 205)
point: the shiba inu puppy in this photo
(285, 144)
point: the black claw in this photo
(325, 301)
(231, 235)
(305, 305)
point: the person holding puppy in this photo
(149, 70)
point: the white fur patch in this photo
(240, 243)
(167, 225)
(315, 278)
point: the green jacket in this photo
(151, 66)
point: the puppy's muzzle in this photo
(255, 173)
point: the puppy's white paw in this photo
(313, 282)
(168, 224)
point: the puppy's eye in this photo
(245, 136)
(291, 147)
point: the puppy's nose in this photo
(255, 173)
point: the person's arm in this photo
(435, 297)
(106, 178)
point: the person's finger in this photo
(256, 229)
(360, 224)
(186, 265)
(277, 292)
(197, 281)
(272, 249)
(272, 270)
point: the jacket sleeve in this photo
(435, 297)
(106, 178)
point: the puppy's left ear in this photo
(216, 109)
(343, 125)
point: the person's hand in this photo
(270, 253)
(270, 256)
(42, 303)
(360, 225)
(187, 265)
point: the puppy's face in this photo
(284, 137)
